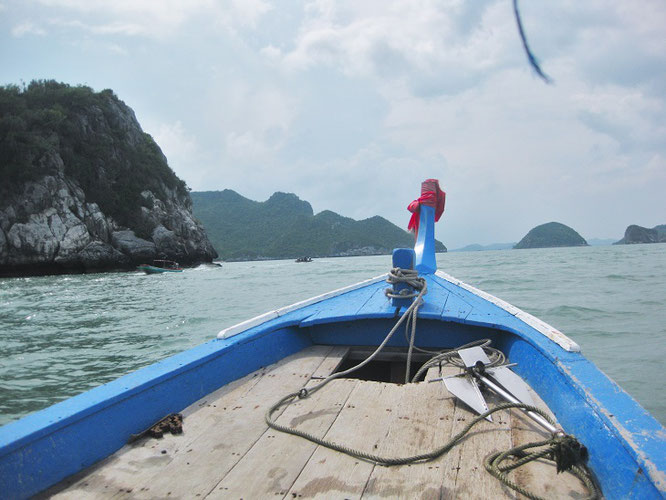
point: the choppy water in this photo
(61, 335)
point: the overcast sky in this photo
(351, 104)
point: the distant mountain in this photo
(552, 234)
(285, 227)
(639, 234)
(475, 247)
(600, 241)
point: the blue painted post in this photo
(403, 258)
(425, 241)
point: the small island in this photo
(551, 234)
(637, 234)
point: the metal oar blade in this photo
(512, 383)
(468, 392)
(502, 375)
(500, 380)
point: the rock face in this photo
(49, 227)
(638, 234)
(552, 234)
(50, 221)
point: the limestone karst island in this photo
(552, 234)
(85, 188)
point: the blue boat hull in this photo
(627, 446)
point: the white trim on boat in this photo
(542, 327)
(263, 318)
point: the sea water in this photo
(62, 335)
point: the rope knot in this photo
(411, 278)
(568, 452)
(303, 393)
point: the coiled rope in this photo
(564, 450)
(561, 449)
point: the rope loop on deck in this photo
(568, 454)
(564, 450)
(492, 463)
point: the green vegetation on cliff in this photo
(94, 134)
(552, 234)
(285, 226)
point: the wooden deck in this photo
(227, 451)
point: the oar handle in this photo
(506, 395)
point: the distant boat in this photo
(304, 259)
(161, 266)
(367, 421)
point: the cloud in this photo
(606, 42)
(459, 102)
(115, 28)
(257, 122)
(626, 115)
(175, 141)
(158, 19)
(247, 12)
(435, 46)
(27, 28)
(352, 104)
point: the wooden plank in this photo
(270, 467)
(225, 428)
(360, 425)
(472, 479)
(423, 424)
(110, 476)
(227, 450)
(234, 431)
(464, 475)
(540, 477)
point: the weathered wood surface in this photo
(227, 450)
(276, 459)
(217, 432)
(540, 477)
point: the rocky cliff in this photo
(638, 234)
(85, 188)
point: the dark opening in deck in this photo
(388, 366)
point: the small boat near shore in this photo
(410, 384)
(160, 266)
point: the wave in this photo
(566, 310)
(620, 277)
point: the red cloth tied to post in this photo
(431, 196)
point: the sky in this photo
(350, 105)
